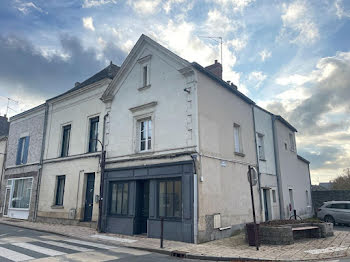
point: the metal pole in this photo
(161, 231)
(254, 218)
(295, 214)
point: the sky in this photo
(290, 57)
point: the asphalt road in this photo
(18, 244)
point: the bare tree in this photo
(342, 182)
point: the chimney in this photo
(76, 84)
(216, 69)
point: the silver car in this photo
(335, 212)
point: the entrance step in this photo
(88, 224)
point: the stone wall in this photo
(318, 197)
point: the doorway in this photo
(267, 204)
(89, 197)
(142, 206)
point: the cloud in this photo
(238, 44)
(145, 7)
(340, 12)
(256, 78)
(219, 24)
(235, 5)
(167, 6)
(88, 23)
(264, 54)
(25, 8)
(94, 3)
(298, 23)
(31, 77)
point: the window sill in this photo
(145, 152)
(239, 154)
(144, 87)
(57, 207)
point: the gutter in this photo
(257, 163)
(278, 168)
(41, 163)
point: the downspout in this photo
(103, 159)
(257, 163)
(41, 163)
(278, 169)
(311, 201)
(195, 200)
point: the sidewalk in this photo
(225, 249)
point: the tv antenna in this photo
(217, 39)
(8, 104)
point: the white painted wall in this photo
(225, 188)
(267, 165)
(76, 108)
(173, 112)
(294, 174)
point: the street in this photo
(18, 244)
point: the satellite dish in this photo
(253, 175)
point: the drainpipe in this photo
(36, 206)
(103, 162)
(195, 200)
(257, 163)
(278, 168)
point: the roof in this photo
(27, 111)
(303, 159)
(285, 122)
(108, 72)
(221, 82)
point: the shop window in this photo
(119, 198)
(21, 193)
(170, 199)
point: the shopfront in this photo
(17, 197)
(138, 197)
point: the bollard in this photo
(161, 231)
(295, 214)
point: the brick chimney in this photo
(216, 69)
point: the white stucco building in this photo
(70, 182)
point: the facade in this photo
(293, 172)
(20, 181)
(175, 158)
(269, 193)
(3, 145)
(70, 184)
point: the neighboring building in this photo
(292, 171)
(270, 206)
(20, 182)
(3, 145)
(4, 126)
(70, 183)
(171, 122)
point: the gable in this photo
(144, 49)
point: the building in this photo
(70, 184)
(4, 126)
(22, 169)
(3, 145)
(175, 152)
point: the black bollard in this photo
(161, 231)
(295, 214)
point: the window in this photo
(93, 134)
(145, 76)
(340, 206)
(119, 198)
(145, 134)
(292, 142)
(274, 195)
(170, 199)
(60, 190)
(307, 198)
(285, 146)
(65, 140)
(22, 150)
(22, 189)
(237, 138)
(261, 149)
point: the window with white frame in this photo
(261, 149)
(145, 67)
(237, 138)
(145, 134)
(21, 192)
(22, 150)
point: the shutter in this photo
(25, 153)
(19, 147)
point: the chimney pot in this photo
(76, 84)
(216, 61)
(215, 69)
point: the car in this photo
(336, 212)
